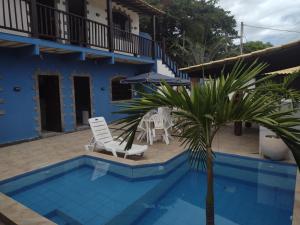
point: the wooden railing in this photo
(53, 24)
(166, 59)
(128, 42)
(14, 15)
(56, 24)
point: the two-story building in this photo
(61, 61)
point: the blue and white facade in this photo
(39, 41)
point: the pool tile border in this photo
(133, 167)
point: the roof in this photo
(278, 57)
(286, 71)
(140, 6)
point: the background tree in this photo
(248, 47)
(252, 46)
(202, 113)
(195, 31)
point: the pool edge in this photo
(13, 212)
(296, 209)
(35, 218)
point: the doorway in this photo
(77, 25)
(49, 96)
(46, 19)
(82, 96)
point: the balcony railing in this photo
(161, 54)
(127, 42)
(57, 25)
(14, 15)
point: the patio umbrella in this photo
(155, 78)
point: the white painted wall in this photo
(96, 11)
(135, 19)
(163, 69)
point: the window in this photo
(120, 91)
(121, 21)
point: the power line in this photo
(269, 28)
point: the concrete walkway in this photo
(27, 156)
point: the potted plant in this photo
(274, 148)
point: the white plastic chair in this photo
(144, 127)
(165, 112)
(102, 139)
(160, 123)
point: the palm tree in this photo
(209, 107)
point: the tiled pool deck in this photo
(28, 156)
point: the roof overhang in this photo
(140, 7)
(277, 58)
(286, 71)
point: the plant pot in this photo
(274, 148)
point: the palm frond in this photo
(201, 114)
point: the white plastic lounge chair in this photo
(102, 139)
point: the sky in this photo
(280, 14)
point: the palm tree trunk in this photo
(210, 214)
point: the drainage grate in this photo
(230, 189)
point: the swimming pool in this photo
(89, 191)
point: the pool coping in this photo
(13, 212)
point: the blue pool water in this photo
(89, 191)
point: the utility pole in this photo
(183, 39)
(226, 43)
(110, 33)
(238, 125)
(153, 36)
(241, 37)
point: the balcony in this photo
(29, 18)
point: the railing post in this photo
(153, 36)
(110, 33)
(164, 44)
(33, 18)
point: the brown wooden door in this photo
(50, 106)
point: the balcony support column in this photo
(33, 18)
(110, 33)
(153, 36)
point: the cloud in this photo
(280, 14)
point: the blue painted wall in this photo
(17, 68)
